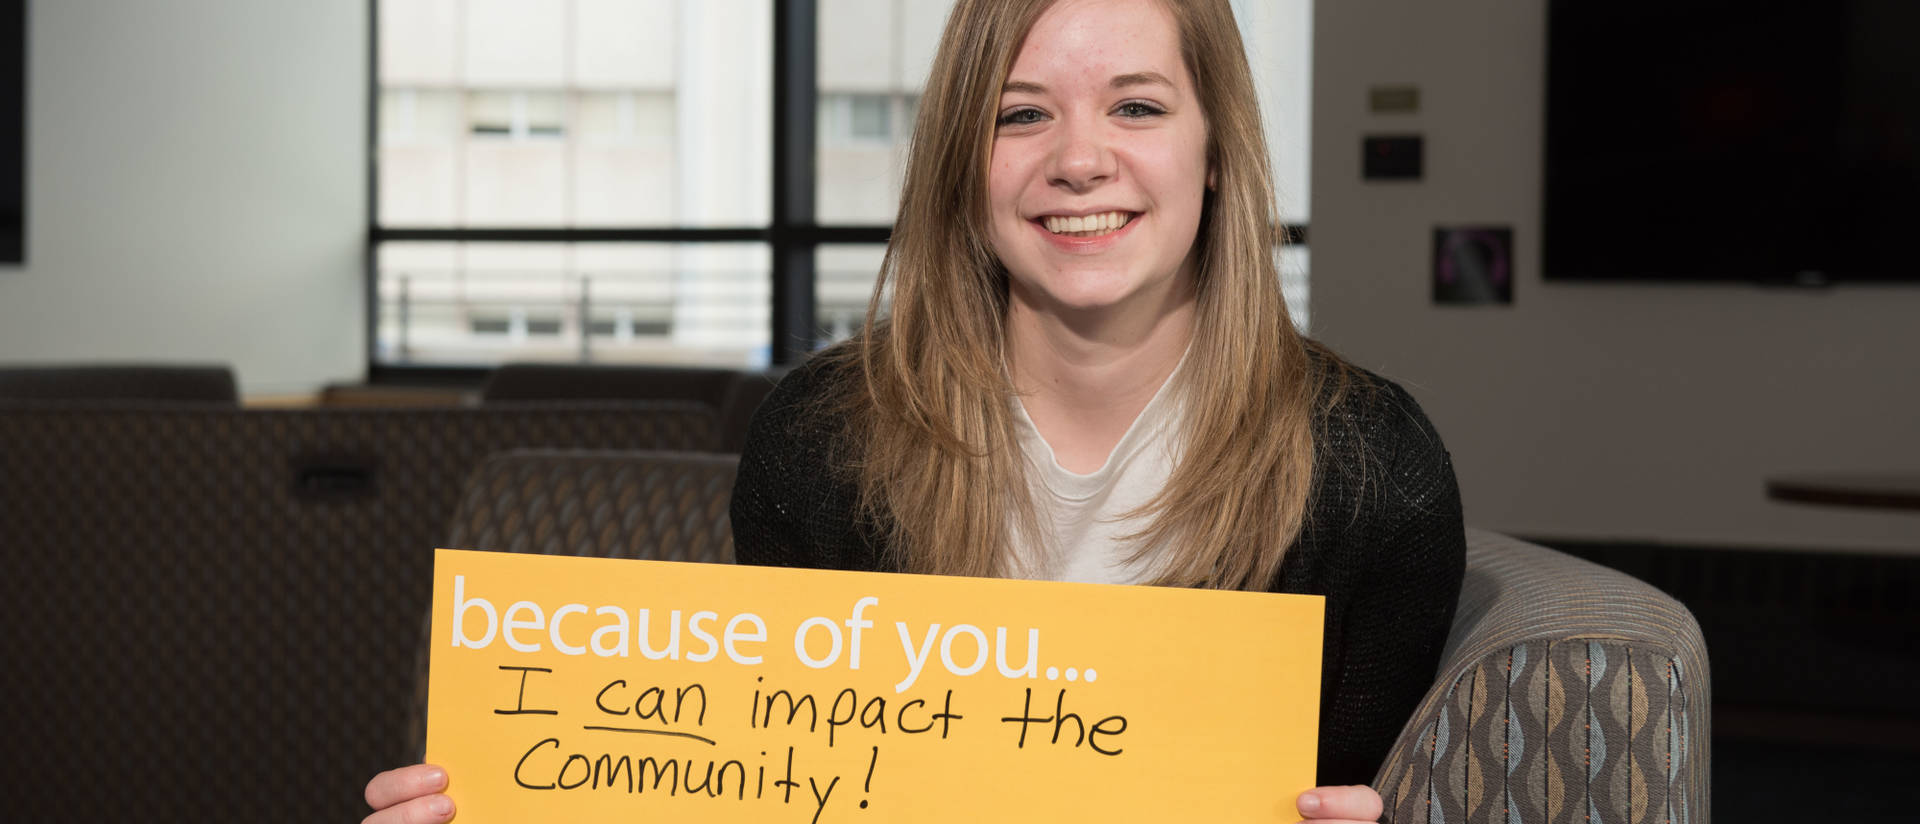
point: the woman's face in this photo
(1099, 163)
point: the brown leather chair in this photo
(581, 382)
(743, 399)
(211, 384)
(732, 394)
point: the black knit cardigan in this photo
(1383, 541)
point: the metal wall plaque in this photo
(1393, 99)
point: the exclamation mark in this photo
(868, 787)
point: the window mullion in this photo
(795, 102)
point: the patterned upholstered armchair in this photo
(1568, 693)
(662, 506)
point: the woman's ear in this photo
(1213, 179)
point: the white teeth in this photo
(1090, 225)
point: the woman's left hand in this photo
(1340, 805)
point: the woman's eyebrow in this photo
(1121, 81)
(1022, 87)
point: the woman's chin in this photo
(1076, 302)
(1090, 311)
(1093, 295)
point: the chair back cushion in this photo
(212, 384)
(577, 382)
(661, 506)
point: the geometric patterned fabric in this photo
(661, 506)
(213, 613)
(1569, 693)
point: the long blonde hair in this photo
(938, 464)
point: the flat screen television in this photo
(1702, 140)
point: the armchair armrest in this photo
(1567, 692)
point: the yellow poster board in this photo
(592, 689)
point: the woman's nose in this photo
(1081, 158)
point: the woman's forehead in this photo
(1099, 42)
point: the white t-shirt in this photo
(1081, 516)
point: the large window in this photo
(670, 181)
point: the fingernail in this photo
(436, 779)
(441, 805)
(1309, 803)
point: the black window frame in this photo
(792, 234)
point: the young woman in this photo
(1086, 372)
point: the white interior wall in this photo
(196, 189)
(1627, 411)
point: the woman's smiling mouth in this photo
(1094, 225)
(1086, 234)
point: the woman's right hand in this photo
(1340, 805)
(409, 795)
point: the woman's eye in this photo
(1019, 117)
(1138, 109)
